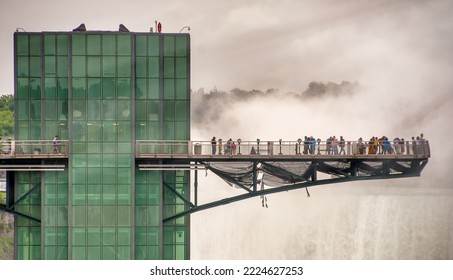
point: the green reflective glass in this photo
(35, 110)
(22, 44)
(94, 88)
(93, 44)
(124, 66)
(140, 194)
(140, 45)
(109, 214)
(94, 213)
(94, 66)
(153, 194)
(35, 44)
(181, 89)
(153, 67)
(181, 110)
(94, 147)
(62, 66)
(153, 88)
(78, 44)
(169, 111)
(62, 44)
(108, 173)
(140, 88)
(124, 88)
(169, 67)
(94, 111)
(79, 88)
(35, 88)
(181, 132)
(153, 45)
(153, 131)
(124, 131)
(94, 198)
(108, 110)
(80, 111)
(79, 176)
(62, 89)
(51, 109)
(140, 111)
(169, 88)
(140, 66)
(108, 66)
(22, 88)
(79, 214)
(94, 236)
(169, 131)
(108, 44)
(49, 44)
(35, 66)
(169, 46)
(51, 88)
(93, 253)
(124, 215)
(108, 88)
(22, 66)
(124, 175)
(79, 147)
(49, 65)
(153, 110)
(181, 45)
(94, 175)
(124, 44)
(181, 67)
(78, 253)
(78, 66)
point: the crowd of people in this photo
(335, 146)
(229, 148)
(384, 146)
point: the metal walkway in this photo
(259, 167)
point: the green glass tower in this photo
(102, 91)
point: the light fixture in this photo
(188, 28)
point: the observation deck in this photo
(265, 167)
(277, 150)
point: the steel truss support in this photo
(10, 208)
(346, 175)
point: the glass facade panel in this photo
(97, 89)
(94, 66)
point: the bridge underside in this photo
(259, 177)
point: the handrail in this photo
(412, 149)
(24, 148)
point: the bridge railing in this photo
(145, 148)
(26, 148)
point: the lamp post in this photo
(239, 145)
(298, 146)
(188, 28)
(258, 146)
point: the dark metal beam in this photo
(25, 195)
(178, 195)
(284, 189)
(8, 210)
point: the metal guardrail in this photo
(34, 148)
(280, 148)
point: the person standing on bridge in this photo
(220, 146)
(55, 145)
(213, 145)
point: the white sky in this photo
(262, 44)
